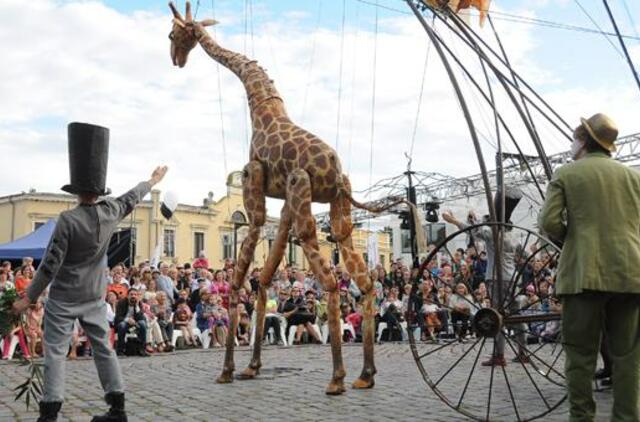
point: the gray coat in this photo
(74, 262)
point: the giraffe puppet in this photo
(286, 162)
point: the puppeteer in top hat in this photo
(73, 268)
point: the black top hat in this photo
(512, 197)
(88, 157)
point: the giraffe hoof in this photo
(360, 383)
(248, 374)
(335, 388)
(225, 378)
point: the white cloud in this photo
(84, 61)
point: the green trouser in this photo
(584, 317)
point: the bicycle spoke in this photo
(424, 355)
(524, 366)
(475, 362)
(456, 363)
(513, 401)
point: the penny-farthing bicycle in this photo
(501, 356)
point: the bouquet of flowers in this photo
(31, 389)
(8, 320)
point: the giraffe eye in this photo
(171, 35)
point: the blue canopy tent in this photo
(34, 244)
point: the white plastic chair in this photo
(403, 326)
(270, 333)
(343, 327)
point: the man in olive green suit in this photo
(593, 207)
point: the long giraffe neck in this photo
(260, 88)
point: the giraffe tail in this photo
(388, 203)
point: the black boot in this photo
(116, 413)
(49, 411)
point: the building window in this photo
(37, 225)
(198, 243)
(436, 233)
(170, 243)
(227, 246)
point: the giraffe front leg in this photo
(254, 204)
(304, 226)
(270, 266)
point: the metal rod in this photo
(622, 44)
(463, 105)
(502, 122)
(519, 319)
(535, 385)
(524, 82)
(473, 368)
(513, 76)
(504, 81)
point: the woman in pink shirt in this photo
(220, 287)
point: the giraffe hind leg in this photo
(304, 226)
(253, 182)
(341, 227)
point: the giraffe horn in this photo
(209, 22)
(178, 22)
(188, 15)
(176, 14)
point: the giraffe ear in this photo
(209, 22)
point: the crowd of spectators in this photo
(187, 305)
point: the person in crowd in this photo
(129, 315)
(165, 284)
(23, 280)
(273, 320)
(35, 315)
(592, 207)
(354, 318)
(16, 330)
(145, 276)
(254, 279)
(196, 294)
(27, 262)
(221, 287)
(429, 314)
(185, 281)
(136, 282)
(298, 315)
(245, 300)
(5, 284)
(151, 291)
(244, 327)
(461, 303)
(118, 285)
(6, 265)
(162, 310)
(155, 339)
(391, 312)
(201, 261)
(218, 320)
(182, 321)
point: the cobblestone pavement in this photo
(181, 387)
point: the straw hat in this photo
(602, 129)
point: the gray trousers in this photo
(58, 326)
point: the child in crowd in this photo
(35, 313)
(154, 332)
(182, 321)
(244, 328)
(431, 320)
(217, 319)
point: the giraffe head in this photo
(183, 35)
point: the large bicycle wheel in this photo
(522, 314)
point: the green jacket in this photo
(601, 230)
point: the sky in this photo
(107, 62)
